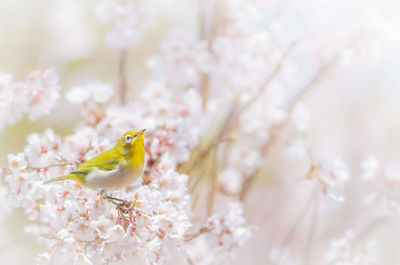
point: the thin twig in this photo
(54, 165)
(298, 221)
(214, 182)
(313, 228)
(189, 261)
(274, 131)
(193, 184)
(277, 69)
(66, 163)
(208, 35)
(121, 80)
(200, 156)
(202, 35)
(196, 235)
(204, 87)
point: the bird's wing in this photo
(105, 161)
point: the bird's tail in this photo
(57, 179)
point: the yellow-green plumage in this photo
(114, 168)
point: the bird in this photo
(113, 169)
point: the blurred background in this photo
(353, 111)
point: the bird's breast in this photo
(117, 178)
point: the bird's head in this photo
(131, 143)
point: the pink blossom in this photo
(384, 180)
(342, 251)
(36, 96)
(182, 62)
(128, 21)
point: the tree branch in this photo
(214, 182)
(121, 79)
(202, 230)
(274, 130)
(208, 35)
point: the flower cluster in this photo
(74, 219)
(36, 96)
(243, 53)
(129, 20)
(371, 40)
(77, 220)
(91, 97)
(222, 232)
(4, 206)
(331, 175)
(182, 62)
(342, 251)
(385, 181)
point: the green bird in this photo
(113, 169)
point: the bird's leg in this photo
(106, 196)
(122, 203)
(109, 197)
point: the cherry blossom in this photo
(74, 219)
(96, 92)
(385, 185)
(129, 20)
(36, 96)
(182, 62)
(331, 176)
(226, 230)
(343, 251)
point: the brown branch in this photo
(311, 234)
(274, 130)
(65, 161)
(234, 115)
(54, 165)
(204, 88)
(202, 153)
(196, 235)
(298, 221)
(209, 36)
(214, 182)
(196, 181)
(121, 79)
(189, 261)
(201, 20)
(277, 69)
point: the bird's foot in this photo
(126, 207)
(103, 194)
(121, 204)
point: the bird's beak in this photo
(141, 132)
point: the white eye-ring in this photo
(128, 139)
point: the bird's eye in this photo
(128, 139)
